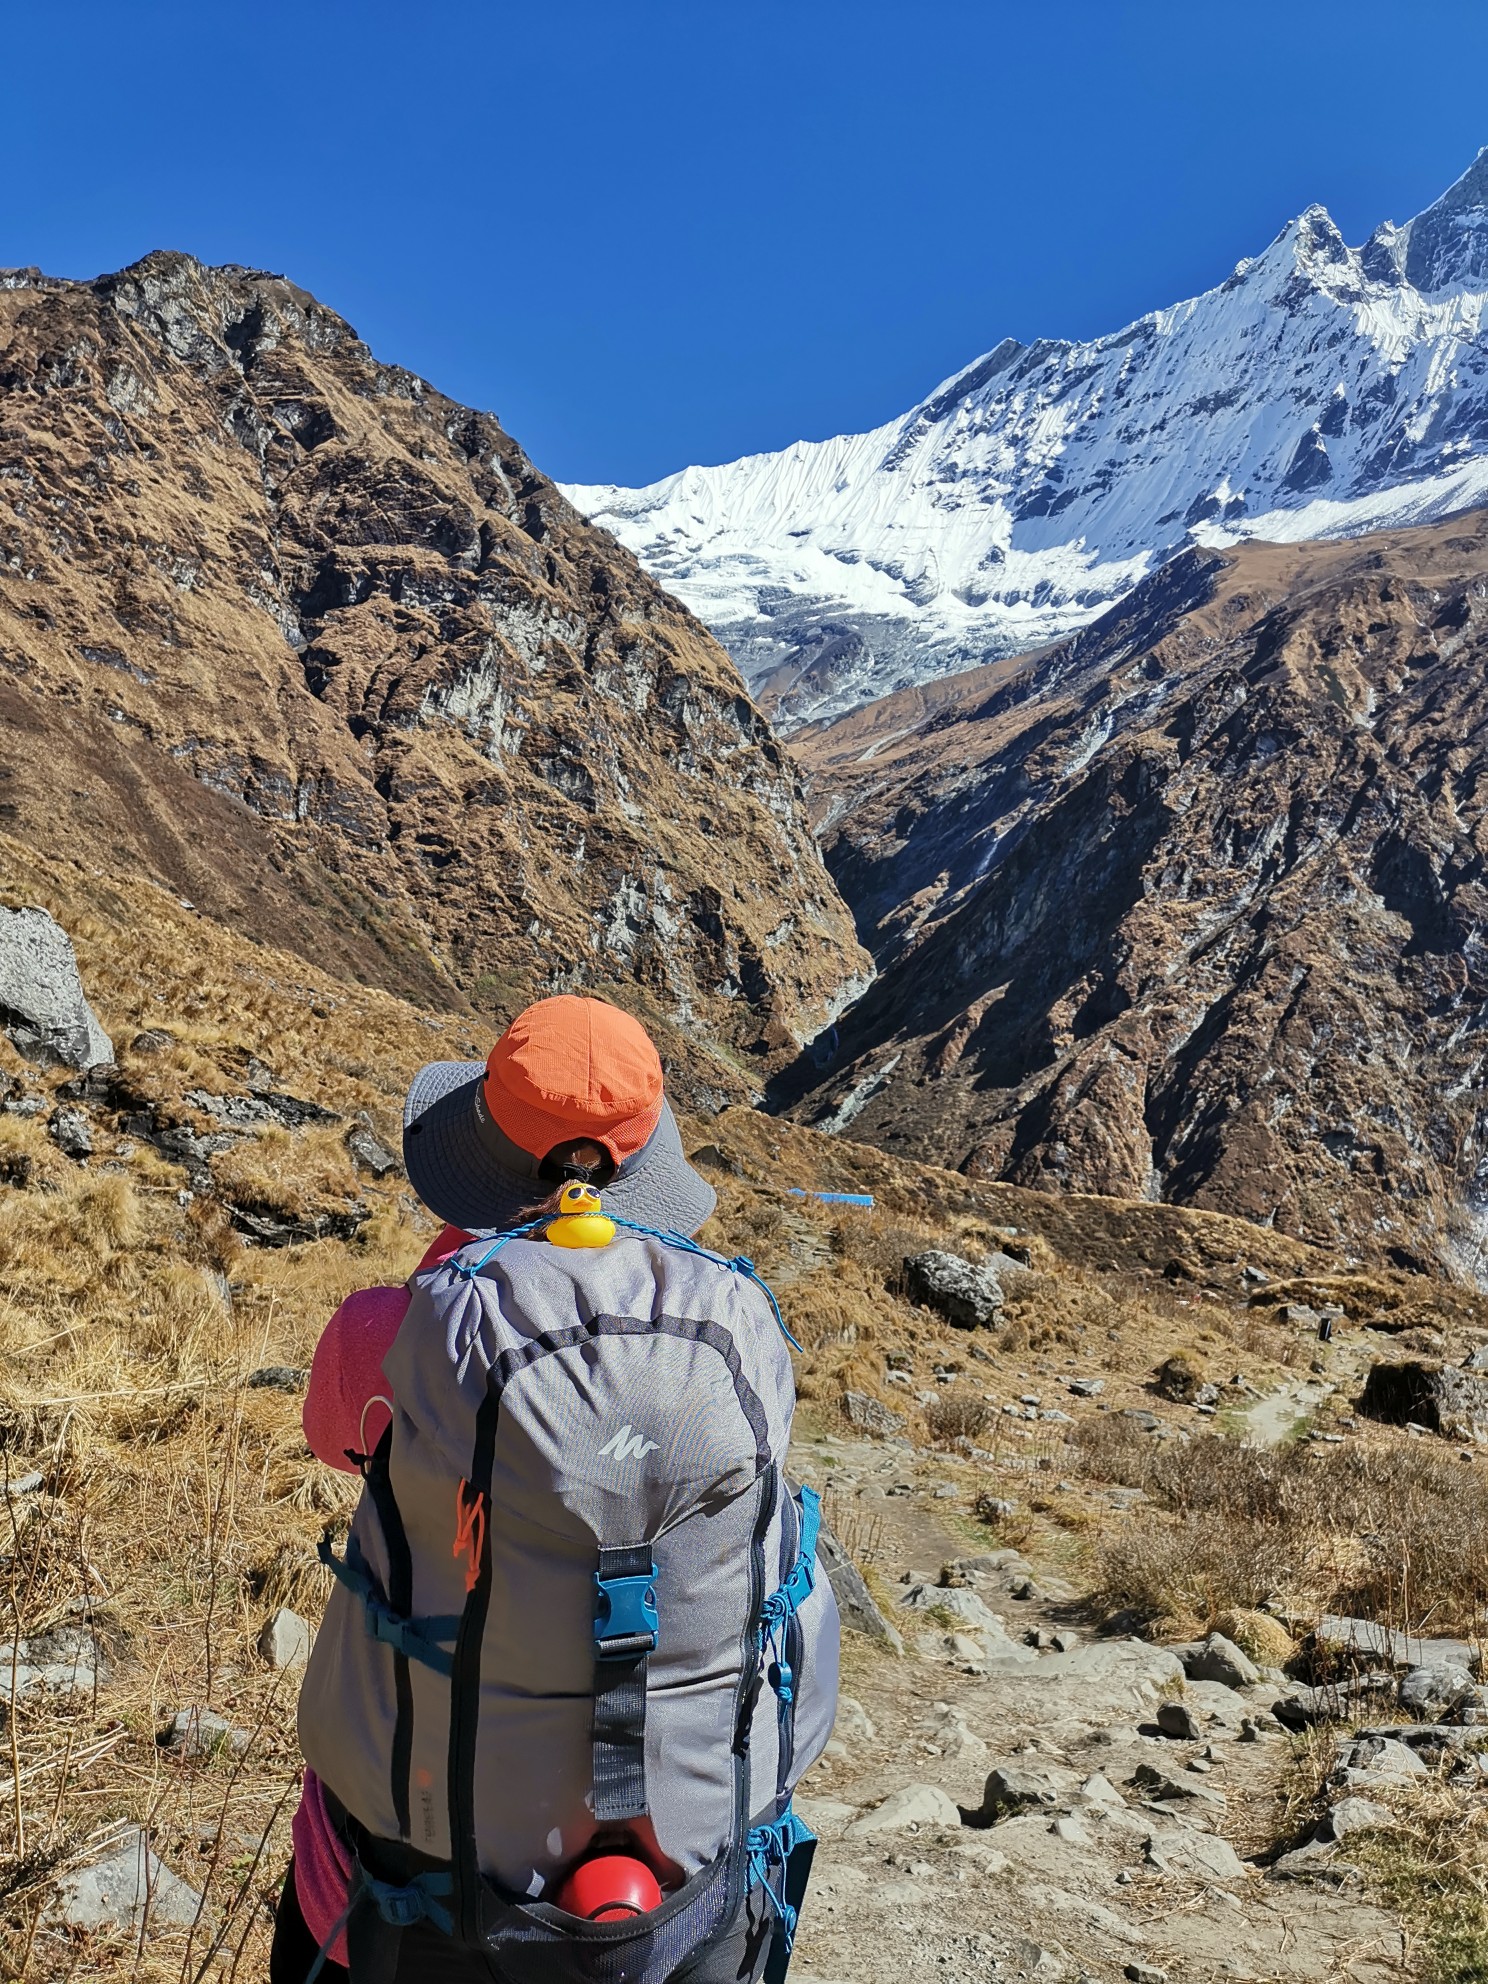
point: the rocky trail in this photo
(1014, 1796)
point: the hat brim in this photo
(455, 1171)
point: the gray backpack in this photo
(579, 1603)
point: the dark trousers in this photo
(427, 1957)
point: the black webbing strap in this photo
(400, 1600)
(624, 1639)
(465, 1680)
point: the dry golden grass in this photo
(1396, 1531)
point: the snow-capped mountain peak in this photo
(1319, 390)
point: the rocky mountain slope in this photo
(1321, 390)
(288, 630)
(1191, 905)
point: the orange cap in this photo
(568, 1068)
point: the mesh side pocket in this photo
(536, 1943)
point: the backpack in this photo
(579, 1601)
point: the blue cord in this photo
(740, 1264)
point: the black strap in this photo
(400, 1601)
(372, 1945)
(619, 1726)
(465, 1683)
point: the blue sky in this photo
(647, 233)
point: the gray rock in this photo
(1026, 1958)
(370, 1152)
(1301, 1313)
(128, 1888)
(43, 1007)
(1441, 1397)
(70, 1131)
(1363, 1643)
(994, 1508)
(959, 1603)
(853, 1721)
(278, 1378)
(916, 1805)
(1087, 1387)
(1177, 1719)
(1351, 1815)
(1154, 1783)
(267, 1228)
(65, 1661)
(200, 1732)
(870, 1415)
(1202, 1855)
(967, 1294)
(1476, 1360)
(246, 1112)
(1318, 1858)
(1436, 1738)
(154, 1040)
(1433, 1692)
(855, 1602)
(1144, 1421)
(1017, 1787)
(1145, 1973)
(286, 1639)
(1380, 1757)
(1219, 1659)
(1334, 1701)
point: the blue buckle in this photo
(626, 1622)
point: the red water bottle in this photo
(609, 1888)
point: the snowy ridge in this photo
(1319, 391)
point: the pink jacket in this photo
(348, 1407)
(348, 1404)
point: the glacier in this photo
(1321, 390)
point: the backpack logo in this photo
(626, 1445)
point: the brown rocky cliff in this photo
(288, 629)
(1191, 906)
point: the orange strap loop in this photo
(470, 1530)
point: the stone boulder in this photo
(1442, 1397)
(1218, 1659)
(1430, 1693)
(127, 1888)
(870, 1415)
(1180, 1379)
(967, 1293)
(1351, 1815)
(1377, 1758)
(43, 1006)
(855, 1602)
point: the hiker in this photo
(578, 1652)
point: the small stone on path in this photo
(1177, 1719)
(915, 1805)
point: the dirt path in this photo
(1127, 1854)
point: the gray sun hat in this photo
(469, 1173)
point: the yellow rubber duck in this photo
(581, 1220)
